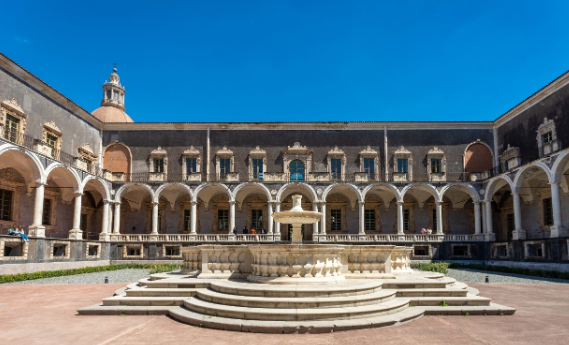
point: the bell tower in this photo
(113, 92)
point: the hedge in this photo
(441, 267)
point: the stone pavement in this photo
(46, 314)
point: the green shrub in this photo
(440, 267)
(153, 268)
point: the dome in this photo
(111, 114)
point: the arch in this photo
(126, 186)
(557, 167)
(34, 162)
(384, 186)
(305, 186)
(117, 157)
(75, 180)
(106, 191)
(156, 197)
(426, 187)
(251, 184)
(297, 172)
(349, 185)
(467, 188)
(495, 184)
(519, 179)
(478, 157)
(203, 186)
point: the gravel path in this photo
(475, 276)
(119, 276)
(133, 275)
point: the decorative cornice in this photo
(257, 152)
(436, 151)
(159, 152)
(297, 149)
(13, 106)
(368, 152)
(336, 152)
(402, 151)
(224, 152)
(51, 126)
(191, 152)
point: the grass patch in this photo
(440, 267)
(514, 270)
(153, 268)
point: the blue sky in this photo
(275, 60)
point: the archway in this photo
(117, 159)
(478, 158)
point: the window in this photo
(12, 125)
(223, 220)
(336, 224)
(369, 167)
(187, 220)
(510, 225)
(158, 165)
(402, 165)
(369, 220)
(224, 167)
(547, 138)
(434, 219)
(108, 94)
(296, 170)
(83, 222)
(115, 96)
(257, 168)
(51, 140)
(436, 165)
(257, 219)
(547, 212)
(5, 204)
(46, 212)
(406, 220)
(336, 168)
(191, 165)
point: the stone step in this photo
(296, 302)
(470, 300)
(263, 326)
(293, 314)
(432, 292)
(434, 284)
(99, 309)
(492, 309)
(143, 301)
(346, 288)
(162, 292)
(176, 283)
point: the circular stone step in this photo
(346, 288)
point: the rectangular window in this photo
(108, 94)
(258, 168)
(5, 204)
(369, 167)
(187, 220)
(336, 221)
(51, 140)
(12, 125)
(435, 219)
(336, 168)
(547, 138)
(406, 220)
(369, 220)
(547, 212)
(158, 165)
(436, 165)
(191, 165)
(510, 224)
(115, 95)
(46, 212)
(83, 222)
(257, 220)
(224, 167)
(402, 165)
(223, 220)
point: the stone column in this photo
(477, 228)
(362, 230)
(278, 225)
(37, 229)
(400, 218)
(104, 235)
(110, 223)
(489, 230)
(323, 223)
(193, 220)
(315, 225)
(270, 220)
(440, 218)
(231, 217)
(76, 233)
(518, 233)
(117, 225)
(154, 218)
(557, 230)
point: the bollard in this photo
(487, 280)
(106, 280)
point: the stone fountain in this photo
(296, 217)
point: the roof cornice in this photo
(18, 71)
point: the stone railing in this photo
(368, 261)
(224, 261)
(400, 260)
(386, 238)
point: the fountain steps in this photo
(144, 301)
(450, 301)
(432, 292)
(162, 292)
(265, 326)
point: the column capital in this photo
(554, 183)
(193, 202)
(40, 184)
(361, 202)
(76, 194)
(155, 203)
(400, 202)
(232, 202)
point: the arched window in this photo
(478, 158)
(296, 170)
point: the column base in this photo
(36, 231)
(231, 238)
(557, 231)
(490, 237)
(153, 237)
(479, 237)
(104, 237)
(519, 234)
(75, 234)
(361, 237)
